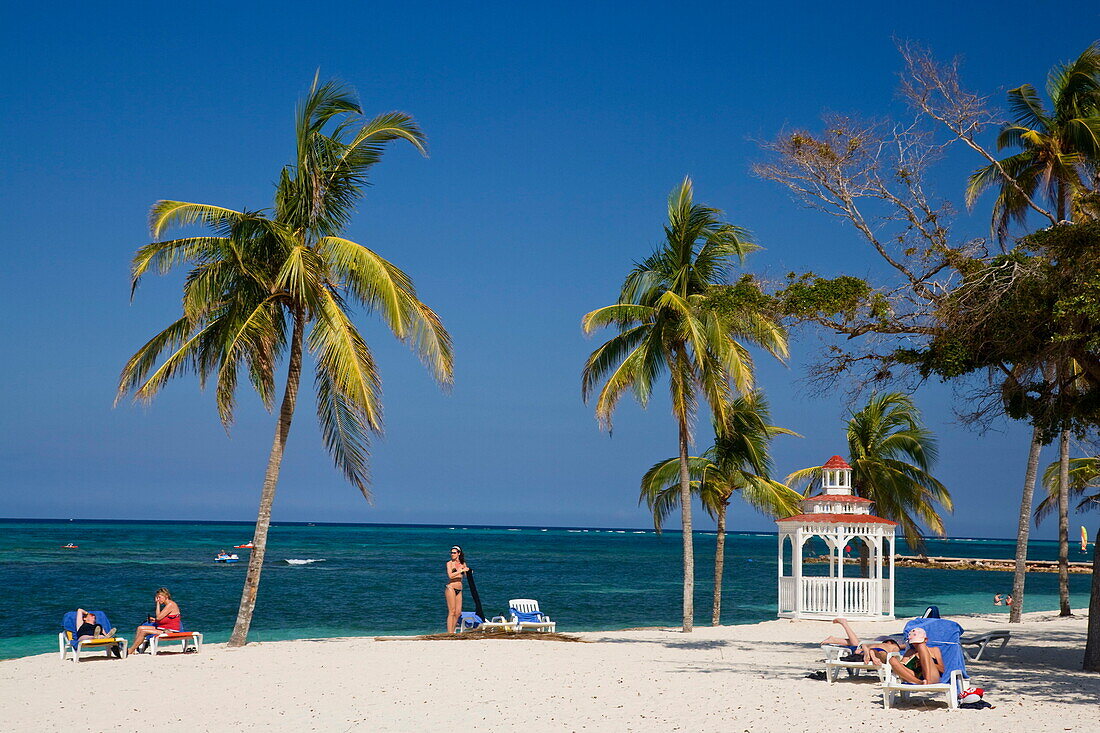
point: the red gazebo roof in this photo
(838, 519)
(836, 462)
(847, 498)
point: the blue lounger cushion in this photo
(527, 618)
(944, 634)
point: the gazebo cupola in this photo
(840, 519)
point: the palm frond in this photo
(1026, 107)
(166, 214)
(638, 370)
(165, 255)
(804, 477)
(345, 428)
(620, 314)
(136, 375)
(608, 356)
(344, 357)
(248, 340)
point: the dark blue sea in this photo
(366, 580)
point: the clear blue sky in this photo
(556, 132)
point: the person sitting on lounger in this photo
(920, 665)
(88, 628)
(165, 619)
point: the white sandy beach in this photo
(731, 678)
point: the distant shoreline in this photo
(427, 525)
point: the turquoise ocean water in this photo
(388, 579)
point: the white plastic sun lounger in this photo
(834, 663)
(527, 616)
(496, 623)
(982, 641)
(892, 685)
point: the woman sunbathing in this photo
(921, 665)
(882, 645)
(850, 639)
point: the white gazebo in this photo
(839, 518)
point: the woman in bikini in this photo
(456, 571)
(921, 665)
(165, 618)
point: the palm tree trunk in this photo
(271, 478)
(685, 526)
(1063, 525)
(719, 565)
(1092, 644)
(1023, 527)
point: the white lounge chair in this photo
(892, 685)
(982, 641)
(834, 663)
(67, 645)
(186, 638)
(470, 621)
(525, 614)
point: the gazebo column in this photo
(875, 600)
(890, 608)
(838, 584)
(796, 567)
(783, 537)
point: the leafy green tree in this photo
(665, 324)
(739, 461)
(259, 280)
(892, 454)
(1057, 161)
(952, 309)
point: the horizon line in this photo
(468, 525)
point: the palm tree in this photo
(1084, 474)
(1059, 147)
(740, 461)
(260, 279)
(1059, 160)
(892, 454)
(665, 325)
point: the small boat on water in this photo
(226, 558)
(69, 546)
(247, 546)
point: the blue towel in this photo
(944, 634)
(470, 620)
(527, 618)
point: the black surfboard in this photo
(473, 592)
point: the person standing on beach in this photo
(456, 571)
